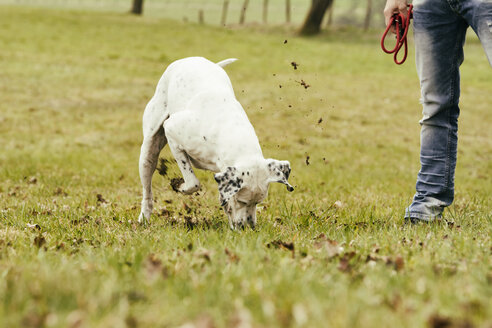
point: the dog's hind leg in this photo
(149, 154)
(154, 140)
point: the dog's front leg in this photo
(191, 183)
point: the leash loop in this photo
(402, 25)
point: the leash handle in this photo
(402, 25)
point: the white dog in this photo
(195, 111)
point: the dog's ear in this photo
(279, 171)
(229, 184)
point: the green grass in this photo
(73, 86)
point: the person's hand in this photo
(395, 7)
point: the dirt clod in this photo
(304, 84)
(281, 244)
(39, 241)
(176, 183)
(100, 198)
(162, 166)
(295, 65)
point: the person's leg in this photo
(439, 38)
(478, 14)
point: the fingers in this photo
(394, 7)
(403, 9)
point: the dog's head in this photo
(242, 188)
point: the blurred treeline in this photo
(358, 13)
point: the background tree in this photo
(314, 18)
(137, 7)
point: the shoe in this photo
(414, 221)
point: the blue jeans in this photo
(440, 27)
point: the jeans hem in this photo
(422, 216)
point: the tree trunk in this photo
(330, 14)
(287, 11)
(242, 18)
(314, 18)
(201, 19)
(265, 11)
(367, 20)
(225, 6)
(137, 7)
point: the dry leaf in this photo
(338, 204)
(205, 254)
(231, 256)
(281, 244)
(399, 263)
(39, 241)
(438, 321)
(33, 226)
(100, 198)
(154, 267)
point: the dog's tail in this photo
(226, 62)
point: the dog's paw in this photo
(189, 189)
(142, 219)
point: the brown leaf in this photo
(281, 244)
(372, 257)
(344, 264)
(438, 321)
(190, 224)
(100, 198)
(278, 222)
(187, 208)
(34, 226)
(39, 241)
(205, 254)
(399, 263)
(164, 212)
(34, 320)
(395, 302)
(131, 321)
(60, 192)
(153, 266)
(203, 321)
(330, 246)
(231, 256)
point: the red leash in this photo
(402, 26)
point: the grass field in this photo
(334, 253)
